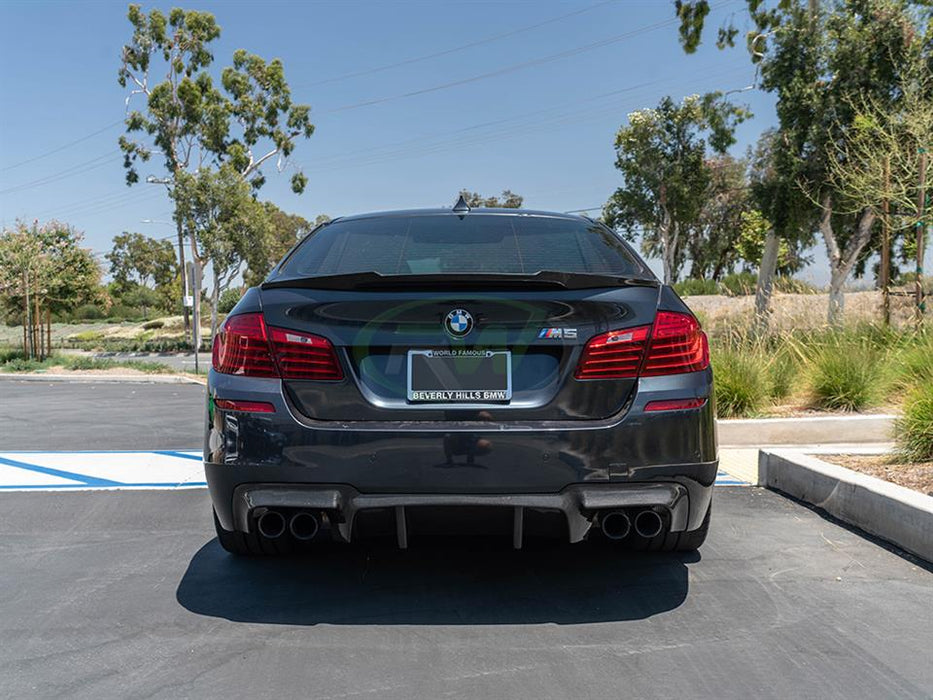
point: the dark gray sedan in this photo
(420, 373)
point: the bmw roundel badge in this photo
(458, 323)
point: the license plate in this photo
(459, 376)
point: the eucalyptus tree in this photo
(662, 156)
(224, 223)
(817, 58)
(507, 200)
(283, 231)
(176, 110)
(136, 259)
(712, 240)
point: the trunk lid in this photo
(542, 324)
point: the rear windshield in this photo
(449, 244)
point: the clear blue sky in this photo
(543, 128)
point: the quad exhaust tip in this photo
(271, 524)
(303, 526)
(648, 524)
(615, 525)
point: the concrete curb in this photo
(899, 515)
(109, 378)
(806, 430)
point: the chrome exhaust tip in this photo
(615, 524)
(648, 524)
(271, 524)
(303, 526)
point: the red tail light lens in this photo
(304, 356)
(246, 346)
(242, 347)
(674, 344)
(678, 345)
(244, 406)
(613, 355)
(675, 405)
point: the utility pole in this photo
(152, 180)
(921, 230)
(194, 276)
(886, 245)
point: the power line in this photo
(517, 66)
(62, 148)
(78, 169)
(462, 47)
(518, 125)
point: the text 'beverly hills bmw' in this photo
(411, 373)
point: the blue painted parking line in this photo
(111, 470)
(125, 469)
(724, 479)
(82, 478)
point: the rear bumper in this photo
(578, 503)
(669, 458)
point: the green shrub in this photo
(121, 312)
(783, 370)
(695, 287)
(89, 312)
(21, 364)
(91, 363)
(914, 430)
(844, 374)
(741, 383)
(152, 325)
(228, 299)
(912, 364)
(7, 354)
(740, 283)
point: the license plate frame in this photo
(463, 394)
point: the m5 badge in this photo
(565, 333)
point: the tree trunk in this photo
(668, 239)
(837, 298)
(48, 329)
(215, 300)
(36, 328)
(842, 261)
(182, 269)
(29, 349)
(766, 270)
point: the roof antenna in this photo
(461, 207)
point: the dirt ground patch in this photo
(796, 311)
(918, 477)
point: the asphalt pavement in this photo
(87, 416)
(128, 594)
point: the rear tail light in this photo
(246, 346)
(673, 345)
(678, 345)
(242, 347)
(613, 355)
(304, 356)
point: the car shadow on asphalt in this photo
(472, 582)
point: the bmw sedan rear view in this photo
(521, 372)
